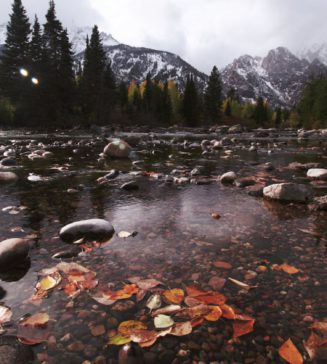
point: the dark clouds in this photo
(204, 32)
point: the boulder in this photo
(228, 178)
(291, 192)
(7, 177)
(320, 203)
(117, 149)
(317, 173)
(303, 166)
(93, 229)
(130, 186)
(235, 129)
(13, 251)
(8, 162)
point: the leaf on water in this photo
(214, 314)
(153, 302)
(5, 314)
(191, 302)
(168, 309)
(103, 299)
(320, 326)
(193, 312)
(33, 329)
(119, 340)
(312, 344)
(197, 321)
(49, 282)
(286, 268)
(144, 336)
(163, 322)
(39, 319)
(67, 267)
(290, 353)
(227, 312)
(240, 284)
(124, 234)
(148, 283)
(175, 295)
(242, 327)
(182, 329)
(128, 291)
(223, 265)
(127, 328)
(193, 291)
(212, 298)
(140, 295)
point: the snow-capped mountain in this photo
(78, 38)
(317, 51)
(279, 77)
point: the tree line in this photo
(42, 85)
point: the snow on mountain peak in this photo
(316, 51)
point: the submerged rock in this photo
(6, 177)
(13, 251)
(130, 186)
(320, 203)
(13, 352)
(291, 192)
(117, 149)
(317, 173)
(228, 178)
(93, 229)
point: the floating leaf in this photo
(119, 340)
(181, 329)
(39, 319)
(148, 283)
(242, 327)
(213, 298)
(223, 265)
(321, 327)
(312, 344)
(168, 309)
(143, 336)
(49, 282)
(193, 291)
(286, 268)
(153, 302)
(103, 299)
(127, 328)
(163, 321)
(191, 302)
(175, 295)
(290, 353)
(68, 267)
(240, 284)
(214, 314)
(193, 312)
(227, 312)
(124, 234)
(197, 321)
(5, 314)
(33, 329)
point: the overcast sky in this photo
(203, 32)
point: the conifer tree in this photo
(191, 103)
(15, 52)
(36, 49)
(167, 109)
(260, 114)
(213, 96)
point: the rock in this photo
(7, 162)
(303, 166)
(235, 129)
(13, 250)
(317, 173)
(216, 283)
(67, 253)
(117, 149)
(93, 229)
(228, 178)
(289, 192)
(245, 182)
(130, 186)
(13, 352)
(320, 203)
(6, 177)
(255, 191)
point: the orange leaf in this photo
(289, 352)
(175, 295)
(242, 327)
(127, 328)
(312, 344)
(213, 299)
(286, 268)
(191, 302)
(197, 321)
(181, 329)
(215, 314)
(193, 291)
(228, 312)
(222, 265)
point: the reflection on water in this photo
(177, 238)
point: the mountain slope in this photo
(316, 51)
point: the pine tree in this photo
(36, 49)
(278, 117)
(15, 52)
(228, 108)
(148, 94)
(213, 96)
(191, 103)
(167, 109)
(260, 114)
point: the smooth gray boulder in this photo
(290, 192)
(12, 251)
(117, 149)
(91, 230)
(317, 173)
(228, 178)
(7, 177)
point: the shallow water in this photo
(177, 243)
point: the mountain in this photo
(279, 77)
(317, 51)
(134, 63)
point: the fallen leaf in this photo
(182, 329)
(68, 267)
(124, 234)
(127, 328)
(119, 340)
(286, 268)
(214, 314)
(212, 298)
(175, 295)
(193, 291)
(320, 326)
(193, 312)
(240, 284)
(222, 265)
(241, 328)
(103, 299)
(145, 284)
(290, 353)
(197, 321)
(39, 319)
(191, 302)
(153, 302)
(144, 336)
(312, 344)
(49, 282)
(5, 314)
(227, 312)
(163, 322)
(168, 309)
(33, 330)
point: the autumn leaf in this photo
(49, 282)
(241, 328)
(103, 299)
(193, 312)
(197, 321)
(147, 284)
(182, 329)
(119, 340)
(212, 299)
(290, 353)
(312, 344)
(175, 295)
(223, 265)
(214, 314)
(163, 321)
(39, 319)
(168, 309)
(5, 314)
(191, 302)
(227, 312)
(33, 329)
(240, 284)
(127, 328)
(286, 268)
(193, 291)
(153, 302)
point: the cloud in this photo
(203, 32)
